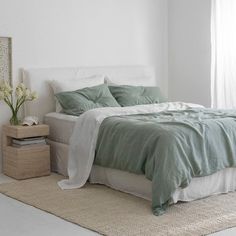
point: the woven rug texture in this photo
(110, 212)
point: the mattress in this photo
(61, 126)
(221, 182)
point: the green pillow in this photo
(127, 95)
(79, 101)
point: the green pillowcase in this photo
(79, 101)
(127, 95)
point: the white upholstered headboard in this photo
(37, 80)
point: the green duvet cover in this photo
(169, 148)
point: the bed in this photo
(62, 126)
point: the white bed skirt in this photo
(221, 182)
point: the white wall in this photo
(189, 50)
(55, 33)
(173, 36)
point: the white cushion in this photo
(139, 80)
(74, 84)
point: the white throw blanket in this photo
(84, 138)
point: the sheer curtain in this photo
(223, 69)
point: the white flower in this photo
(33, 95)
(21, 86)
(8, 87)
(27, 93)
(6, 94)
(22, 94)
(19, 92)
(5, 87)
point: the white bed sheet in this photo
(61, 126)
(221, 182)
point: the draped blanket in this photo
(169, 143)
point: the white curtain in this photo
(223, 68)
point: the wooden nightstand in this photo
(27, 161)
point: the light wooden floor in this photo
(18, 219)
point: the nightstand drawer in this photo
(27, 150)
(27, 162)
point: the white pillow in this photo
(110, 82)
(74, 84)
(134, 80)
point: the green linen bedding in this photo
(127, 95)
(77, 102)
(169, 148)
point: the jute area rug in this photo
(111, 212)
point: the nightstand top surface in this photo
(20, 131)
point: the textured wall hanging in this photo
(5, 58)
